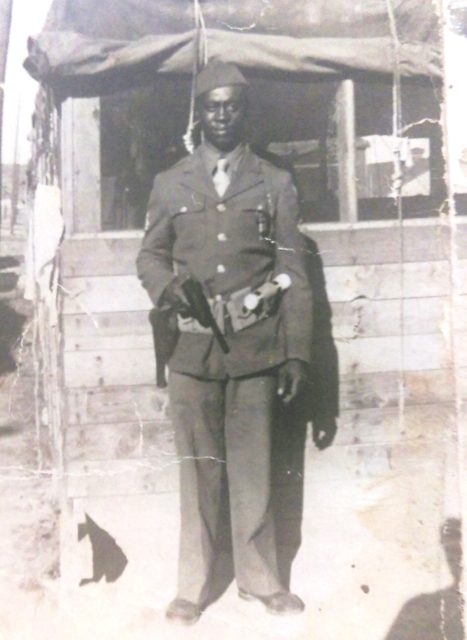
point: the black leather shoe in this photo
(183, 612)
(282, 603)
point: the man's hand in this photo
(174, 298)
(324, 431)
(293, 375)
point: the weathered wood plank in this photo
(370, 390)
(381, 426)
(122, 477)
(100, 256)
(109, 368)
(460, 241)
(86, 165)
(411, 280)
(81, 164)
(104, 442)
(120, 442)
(460, 277)
(112, 323)
(426, 315)
(99, 294)
(380, 282)
(108, 343)
(412, 353)
(370, 318)
(117, 405)
(418, 461)
(462, 382)
(111, 330)
(390, 243)
(66, 157)
(361, 355)
(460, 347)
(459, 313)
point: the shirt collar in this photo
(211, 155)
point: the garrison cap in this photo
(218, 74)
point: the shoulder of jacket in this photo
(277, 179)
(278, 174)
(174, 170)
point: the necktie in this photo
(221, 177)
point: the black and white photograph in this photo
(233, 349)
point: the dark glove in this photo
(292, 379)
(173, 298)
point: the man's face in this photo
(222, 113)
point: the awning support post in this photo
(346, 151)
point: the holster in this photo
(165, 335)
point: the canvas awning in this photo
(90, 47)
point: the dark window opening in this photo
(293, 124)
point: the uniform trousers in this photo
(225, 426)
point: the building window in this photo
(296, 125)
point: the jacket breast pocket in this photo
(255, 220)
(189, 225)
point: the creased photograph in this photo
(233, 319)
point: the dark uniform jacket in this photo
(230, 243)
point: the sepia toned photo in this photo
(233, 283)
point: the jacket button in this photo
(221, 237)
(221, 207)
(220, 268)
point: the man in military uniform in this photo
(228, 219)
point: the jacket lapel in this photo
(196, 177)
(248, 175)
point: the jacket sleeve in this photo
(154, 261)
(296, 307)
